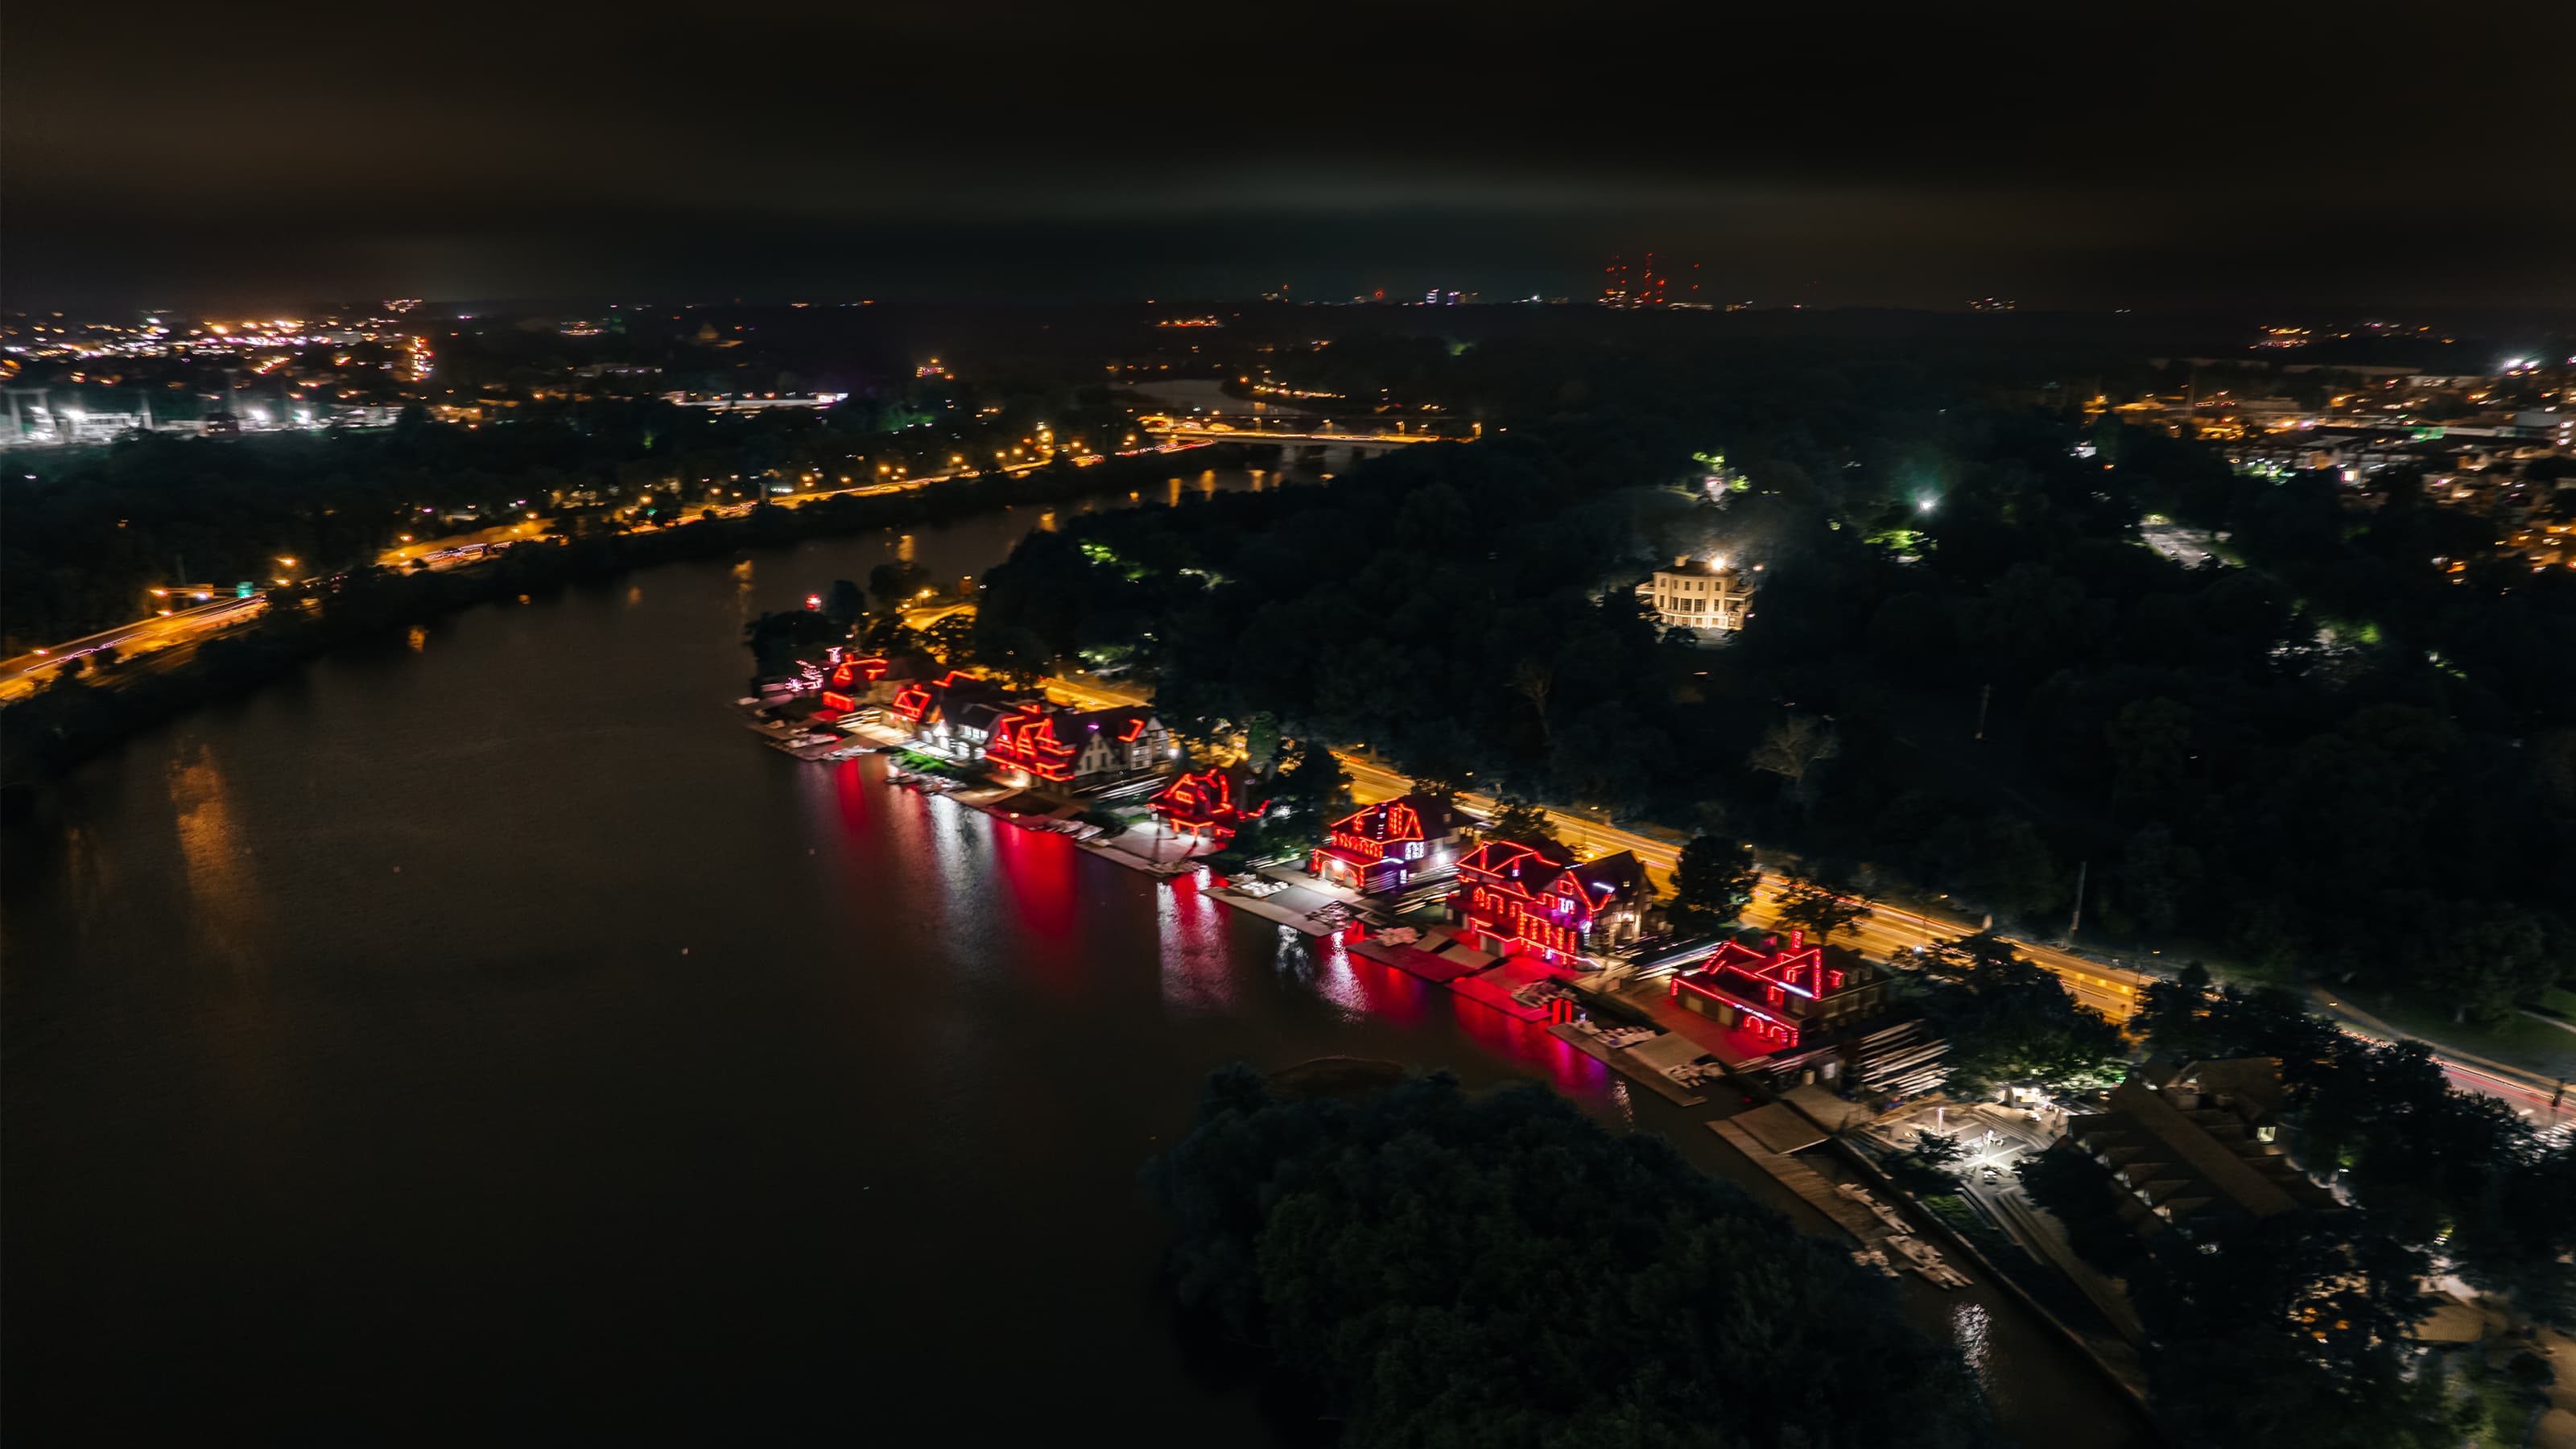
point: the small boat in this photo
(1926, 1260)
(1874, 1258)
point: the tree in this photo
(1314, 783)
(1927, 1165)
(778, 640)
(2010, 1023)
(1019, 656)
(2488, 959)
(843, 604)
(895, 583)
(1817, 909)
(2011, 869)
(952, 638)
(889, 635)
(1793, 748)
(1522, 821)
(2155, 873)
(2151, 748)
(1713, 882)
(1532, 679)
(1261, 740)
(1499, 1269)
(1604, 757)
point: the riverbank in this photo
(449, 986)
(1670, 1054)
(44, 735)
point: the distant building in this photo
(1784, 993)
(1521, 896)
(1698, 594)
(1211, 804)
(2198, 1142)
(1385, 846)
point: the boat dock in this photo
(1770, 1136)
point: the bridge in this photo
(1217, 432)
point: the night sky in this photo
(2102, 156)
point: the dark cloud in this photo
(1913, 154)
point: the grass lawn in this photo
(2521, 1041)
(2508, 1406)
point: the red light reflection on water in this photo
(853, 795)
(1360, 985)
(1197, 953)
(1530, 1046)
(1034, 870)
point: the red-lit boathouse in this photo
(1380, 847)
(1537, 897)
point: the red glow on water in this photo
(1035, 871)
(1530, 1046)
(1196, 949)
(853, 795)
(1363, 985)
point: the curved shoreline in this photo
(43, 736)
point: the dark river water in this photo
(487, 1037)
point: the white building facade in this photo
(1699, 594)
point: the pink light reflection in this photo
(1197, 956)
(1530, 1046)
(1035, 870)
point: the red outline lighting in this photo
(1494, 896)
(1746, 979)
(1026, 737)
(1203, 804)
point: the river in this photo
(484, 1035)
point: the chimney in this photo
(1681, 560)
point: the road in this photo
(2114, 991)
(1227, 433)
(24, 674)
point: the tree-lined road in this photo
(2114, 991)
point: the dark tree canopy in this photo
(1499, 1271)
(1713, 881)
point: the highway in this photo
(24, 674)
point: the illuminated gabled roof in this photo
(1531, 868)
(1025, 736)
(1406, 817)
(1217, 796)
(851, 673)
